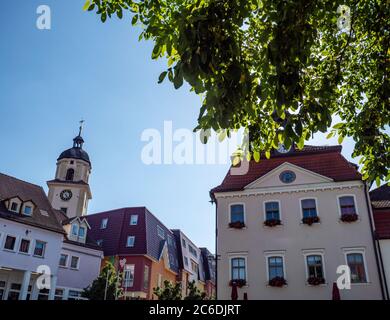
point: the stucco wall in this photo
(331, 236)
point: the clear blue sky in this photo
(82, 68)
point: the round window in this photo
(287, 176)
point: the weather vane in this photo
(81, 126)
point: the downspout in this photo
(379, 262)
(383, 268)
(216, 249)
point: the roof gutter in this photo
(377, 249)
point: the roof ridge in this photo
(20, 180)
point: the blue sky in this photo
(81, 68)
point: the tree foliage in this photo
(194, 293)
(108, 277)
(169, 292)
(282, 69)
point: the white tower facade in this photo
(70, 191)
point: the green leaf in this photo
(338, 125)
(162, 76)
(256, 156)
(340, 139)
(134, 19)
(268, 154)
(86, 5)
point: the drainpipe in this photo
(216, 247)
(379, 261)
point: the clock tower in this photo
(70, 191)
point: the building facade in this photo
(190, 263)
(144, 244)
(208, 262)
(285, 227)
(380, 200)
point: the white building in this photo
(285, 226)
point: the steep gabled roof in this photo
(324, 160)
(11, 187)
(380, 200)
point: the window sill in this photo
(24, 253)
(272, 227)
(74, 269)
(9, 250)
(63, 267)
(361, 284)
(319, 285)
(39, 257)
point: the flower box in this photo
(272, 222)
(277, 282)
(239, 282)
(349, 217)
(237, 225)
(315, 281)
(310, 220)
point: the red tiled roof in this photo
(324, 160)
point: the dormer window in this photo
(82, 232)
(27, 210)
(75, 229)
(14, 207)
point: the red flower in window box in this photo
(277, 282)
(239, 282)
(237, 225)
(272, 222)
(310, 220)
(349, 217)
(315, 281)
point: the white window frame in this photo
(104, 223)
(131, 267)
(29, 246)
(78, 263)
(76, 234)
(362, 251)
(280, 208)
(244, 256)
(277, 254)
(44, 249)
(347, 195)
(316, 252)
(27, 206)
(230, 211)
(85, 232)
(159, 228)
(132, 222)
(16, 245)
(66, 262)
(18, 205)
(127, 242)
(309, 198)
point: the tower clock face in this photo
(283, 149)
(66, 195)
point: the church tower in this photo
(70, 191)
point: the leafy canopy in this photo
(282, 69)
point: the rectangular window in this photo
(170, 240)
(134, 219)
(14, 291)
(146, 277)
(130, 241)
(64, 210)
(2, 290)
(272, 210)
(128, 276)
(356, 264)
(237, 213)
(99, 242)
(74, 262)
(14, 207)
(24, 246)
(238, 269)
(103, 224)
(59, 294)
(184, 243)
(27, 210)
(160, 232)
(275, 267)
(10, 243)
(314, 266)
(309, 208)
(81, 232)
(347, 205)
(75, 229)
(194, 267)
(63, 260)
(74, 295)
(39, 250)
(186, 261)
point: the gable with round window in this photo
(287, 176)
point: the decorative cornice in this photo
(291, 189)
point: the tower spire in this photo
(78, 141)
(81, 127)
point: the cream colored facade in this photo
(293, 241)
(385, 252)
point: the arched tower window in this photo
(69, 175)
